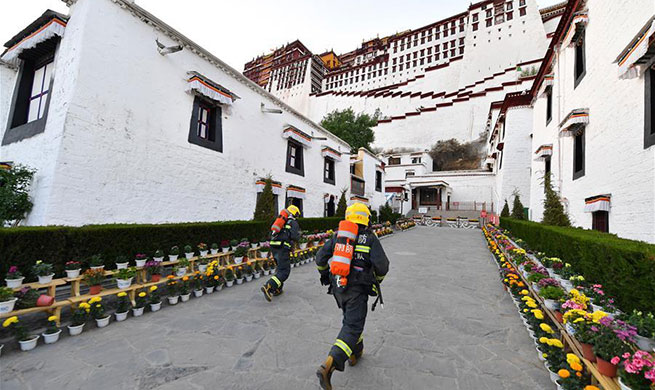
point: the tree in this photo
(554, 213)
(265, 208)
(341, 206)
(15, 201)
(352, 128)
(517, 207)
(387, 214)
(505, 212)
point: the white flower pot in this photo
(267, 272)
(185, 297)
(14, 283)
(173, 300)
(140, 263)
(569, 328)
(263, 254)
(202, 268)
(102, 322)
(550, 304)
(643, 343)
(567, 285)
(172, 257)
(46, 279)
(303, 245)
(181, 272)
(7, 306)
(238, 260)
(203, 253)
(137, 311)
(225, 249)
(124, 283)
(219, 288)
(197, 293)
(209, 290)
(214, 251)
(29, 344)
(229, 283)
(155, 306)
(240, 281)
(188, 255)
(158, 259)
(261, 243)
(257, 275)
(75, 330)
(52, 337)
(121, 265)
(98, 268)
(315, 243)
(1, 346)
(596, 307)
(121, 316)
(253, 245)
(623, 385)
(73, 273)
(248, 278)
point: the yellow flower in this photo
(153, 288)
(545, 355)
(524, 292)
(94, 300)
(538, 314)
(576, 366)
(52, 318)
(556, 343)
(572, 358)
(9, 321)
(546, 328)
(543, 340)
(84, 305)
(142, 294)
(591, 387)
(563, 373)
(597, 315)
(531, 305)
(122, 294)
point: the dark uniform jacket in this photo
(287, 236)
(369, 260)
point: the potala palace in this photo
(127, 120)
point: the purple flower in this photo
(13, 269)
(605, 321)
(548, 282)
(594, 328)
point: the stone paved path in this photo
(446, 324)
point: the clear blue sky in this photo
(237, 31)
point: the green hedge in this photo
(22, 246)
(625, 268)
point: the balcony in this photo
(357, 186)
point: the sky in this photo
(238, 31)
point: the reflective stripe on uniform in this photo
(361, 338)
(362, 248)
(341, 259)
(287, 226)
(322, 268)
(379, 278)
(276, 242)
(344, 347)
(276, 280)
(287, 244)
(347, 234)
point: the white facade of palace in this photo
(128, 135)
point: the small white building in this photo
(128, 121)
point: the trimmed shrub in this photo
(22, 246)
(505, 212)
(625, 268)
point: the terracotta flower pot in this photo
(606, 368)
(155, 278)
(95, 290)
(588, 352)
(560, 317)
(45, 300)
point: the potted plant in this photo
(551, 295)
(229, 277)
(154, 299)
(158, 256)
(202, 264)
(73, 269)
(153, 270)
(27, 298)
(96, 262)
(7, 300)
(78, 319)
(266, 267)
(607, 346)
(14, 278)
(238, 275)
(141, 259)
(240, 252)
(188, 251)
(174, 253)
(214, 248)
(185, 289)
(52, 332)
(43, 271)
(139, 304)
(253, 243)
(123, 306)
(122, 262)
(645, 324)
(257, 269)
(636, 372)
(247, 272)
(225, 246)
(93, 279)
(572, 375)
(27, 341)
(302, 242)
(172, 290)
(124, 277)
(202, 248)
(263, 240)
(234, 243)
(315, 240)
(181, 268)
(198, 284)
(264, 248)
(98, 312)
(585, 335)
(211, 283)
(219, 281)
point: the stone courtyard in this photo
(446, 324)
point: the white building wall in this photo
(8, 76)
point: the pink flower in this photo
(615, 360)
(626, 355)
(13, 269)
(650, 375)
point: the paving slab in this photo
(447, 324)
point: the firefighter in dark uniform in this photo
(369, 265)
(281, 246)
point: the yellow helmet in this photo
(294, 210)
(358, 213)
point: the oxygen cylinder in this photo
(279, 223)
(344, 249)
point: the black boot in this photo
(266, 289)
(357, 354)
(324, 373)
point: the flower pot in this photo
(137, 311)
(303, 245)
(75, 330)
(229, 283)
(185, 297)
(261, 243)
(14, 283)
(567, 285)
(73, 273)
(219, 288)
(95, 290)
(554, 377)
(550, 304)
(559, 317)
(197, 293)
(606, 368)
(248, 278)
(202, 268)
(623, 385)
(124, 283)
(7, 306)
(540, 356)
(173, 300)
(158, 259)
(155, 306)
(102, 322)
(263, 254)
(257, 275)
(51, 338)
(155, 278)
(121, 316)
(203, 253)
(209, 289)
(238, 260)
(28, 345)
(588, 352)
(46, 279)
(172, 257)
(240, 281)
(121, 265)
(643, 343)
(180, 272)
(315, 243)
(570, 329)
(596, 307)
(45, 300)
(98, 268)
(225, 249)
(140, 263)
(214, 251)
(189, 255)
(267, 272)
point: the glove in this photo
(325, 279)
(374, 291)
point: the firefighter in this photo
(281, 246)
(368, 267)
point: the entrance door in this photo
(429, 197)
(329, 208)
(414, 199)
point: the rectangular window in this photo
(649, 122)
(522, 11)
(475, 17)
(378, 181)
(475, 27)
(580, 60)
(394, 160)
(409, 174)
(489, 22)
(601, 221)
(521, 3)
(206, 127)
(295, 158)
(40, 91)
(549, 105)
(510, 15)
(578, 155)
(296, 202)
(328, 176)
(275, 200)
(416, 160)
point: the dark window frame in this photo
(600, 221)
(580, 58)
(297, 169)
(329, 170)
(579, 139)
(649, 117)
(549, 105)
(394, 161)
(214, 139)
(294, 201)
(378, 181)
